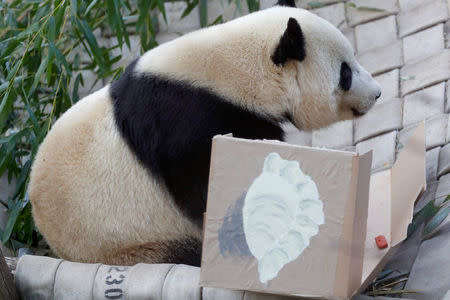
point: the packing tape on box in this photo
(39, 277)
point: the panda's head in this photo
(319, 73)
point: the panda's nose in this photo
(378, 96)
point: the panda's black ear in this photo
(290, 3)
(292, 44)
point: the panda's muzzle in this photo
(357, 113)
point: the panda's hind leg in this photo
(186, 251)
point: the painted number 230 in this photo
(114, 278)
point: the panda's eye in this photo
(345, 80)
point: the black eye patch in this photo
(345, 81)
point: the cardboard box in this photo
(263, 207)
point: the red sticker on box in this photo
(381, 242)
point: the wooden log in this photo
(7, 287)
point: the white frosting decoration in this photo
(281, 213)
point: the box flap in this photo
(408, 182)
(360, 222)
(391, 204)
(378, 221)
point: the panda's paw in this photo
(282, 212)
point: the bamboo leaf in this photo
(89, 8)
(368, 8)
(253, 5)
(78, 81)
(238, 6)
(31, 29)
(190, 6)
(218, 20)
(36, 127)
(162, 9)
(122, 26)
(421, 217)
(316, 4)
(92, 42)
(13, 214)
(49, 72)
(5, 107)
(51, 29)
(39, 72)
(22, 178)
(74, 7)
(14, 69)
(203, 7)
(12, 46)
(438, 218)
(60, 57)
(385, 273)
(5, 85)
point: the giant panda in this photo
(122, 176)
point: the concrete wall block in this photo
(444, 161)
(424, 73)
(349, 33)
(447, 102)
(264, 4)
(424, 104)
(447, 32)
(411, 4)
(423, 44)
(432, 163)
(389, 82)
(443, 188)
(376, 34)
(304, 3)
(383, 147)
(447, 139)
(435, 131)
(335, 136)
(165, 37)
(422, 16)
(229, 10)
(382, 59)
(429, 273)
(174, 24)
(335, 14)
(382, 118)
(359, 14)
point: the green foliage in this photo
(40, 75)
(431, 216)
(252, 5)
(41, 43)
